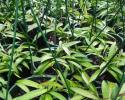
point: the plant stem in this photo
(13, 47)
(53, 55)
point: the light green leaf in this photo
(66, 50)
(18, 61)
(46, 57)
(31, 95)
(2, 81)
(2, 26)
(94, 76)
(48, 97)
(28, 83)
(23, 87)
(77, 97)
(4, 94)
(105, 90)
(85, 77)
(57, 95)
(85, 93)
(51, 84)
(75, 64)
(112, 50)
(61, 77)
(69, 44)
(31, 27)
(43, 67)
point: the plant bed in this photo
(62, 50)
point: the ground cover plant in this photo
(62, 49)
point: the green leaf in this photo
(61, 77)
(31, 95)
(3, 94)
(57, 95)
(34, 58)
(114, 74)
(25, 64)
(75, 64)
(2, 81)
(4, 70)
(23, 87)
(122, 89)
(48, 97)
(2, 26)
(31, 27)
(28, 83)
(51, 84)
(94, 76)
(78, 78)
(46, 57)
(18, 61)
(66, 50)
(69, 44)
(112, 50)
(85, 77)
(77, 97)
(105, 90)
(18, 35)
(43, 67)
(63, 62)
(85, 93)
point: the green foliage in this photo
(62, 50)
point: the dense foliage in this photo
(62, 49)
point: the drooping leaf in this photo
(28, 83)
(57, 95)
(23, 87)
(85, 93)
(32, 94)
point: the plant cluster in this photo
(62, 50)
